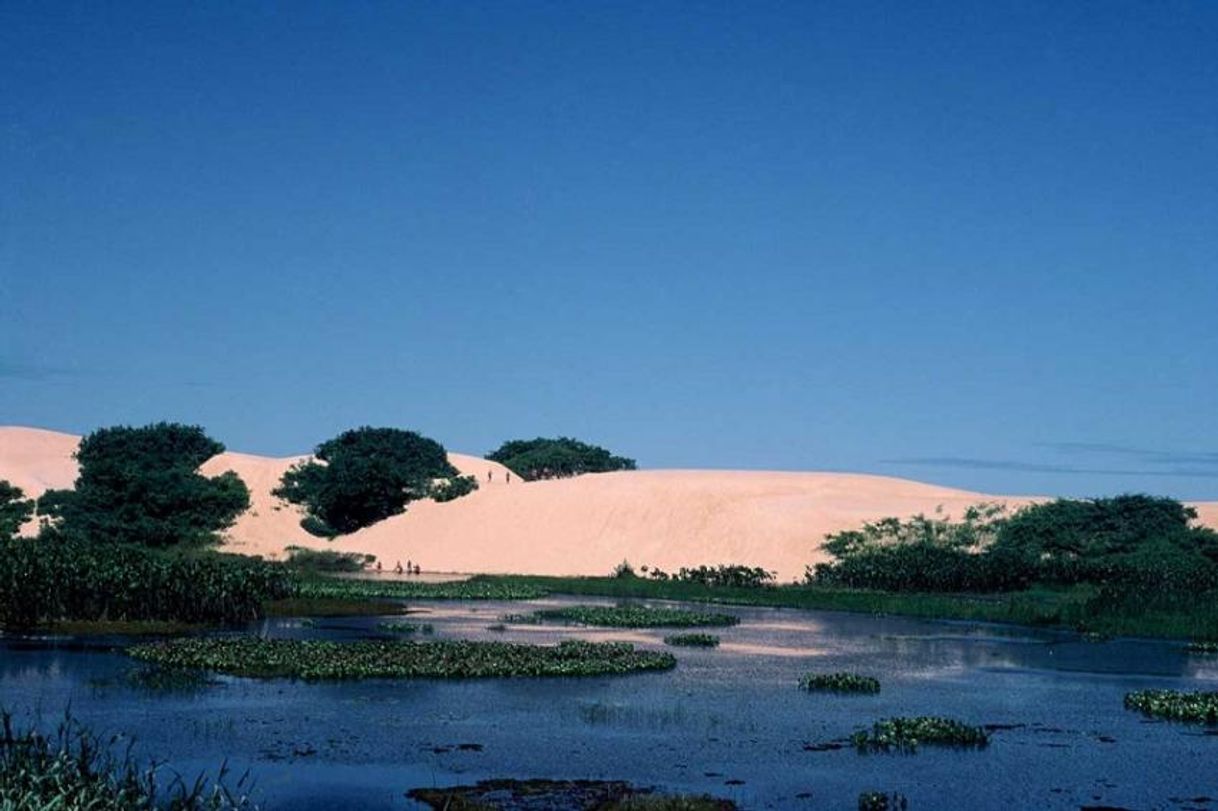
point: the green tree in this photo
(543, 458)
(15, 510)
(143, 486)
(363, 476)
(1102, 528)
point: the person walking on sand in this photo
(408, 567)
(490, 474)
(418, 569)
(398, 568)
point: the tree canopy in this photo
(363, 476)
(143, 486)
(542, 458)
(15, 510)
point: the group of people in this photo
(410, 568)
(490, 476)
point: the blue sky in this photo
(969, 243)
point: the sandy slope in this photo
(586, 525)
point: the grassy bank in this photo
(272, 658)
(1071, 607)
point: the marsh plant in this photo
(839, 683)
(76, 770)
(626, 616)
(375, 659)
(476, 588)
(907, 734)
(1175, 705)
(692, 640)
(1202, 647)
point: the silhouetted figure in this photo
(417, 569)
(408, 567)
(398, 568)
(378, 565)
(509, 476)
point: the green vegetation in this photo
(907, 734)
(1078, 607)
(839, 683)
(52, 579)
(363, 476)
(398, 627)
(540, 458)
(1175, 705)
(1202, 647)
(475, 588)
(327, 560)
(881, 801)
(15, 510)
(625, 616)
(720, 576)
(332, 607)
(692, 640)
(454, 488)
(1134, 546)
(272, 658)
(584, 795)
(142, 486)
(74, 770)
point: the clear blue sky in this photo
(970, 243)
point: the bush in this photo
(734, 576)
(142, 486)
(364, 476)
(692, 640)
(454, 488)
(1175, 705)
(327, 560)
(15, 510)
(541, 458)
(52, 579)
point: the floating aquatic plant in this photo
(1175, 705)
(881, 801)
(839, 683)
(692, 640)
(907, 734)
(373, 659)
(626, 616)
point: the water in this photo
(729, 721)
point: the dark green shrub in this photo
(15, 510)
(454, 488)
(734, 576)
(880, 801)
(541, 458)
(143, 486)
(327, 560)
(364, 476)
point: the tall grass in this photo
(76, 770)
(46, 581)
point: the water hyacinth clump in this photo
(1175, 705)
(840, 683)
(368, 659)
(907, 734)
(75, 770)
(880, 801)
(626, 616)
(1202, 647)
(692, 640)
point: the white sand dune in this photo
(585, 525)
